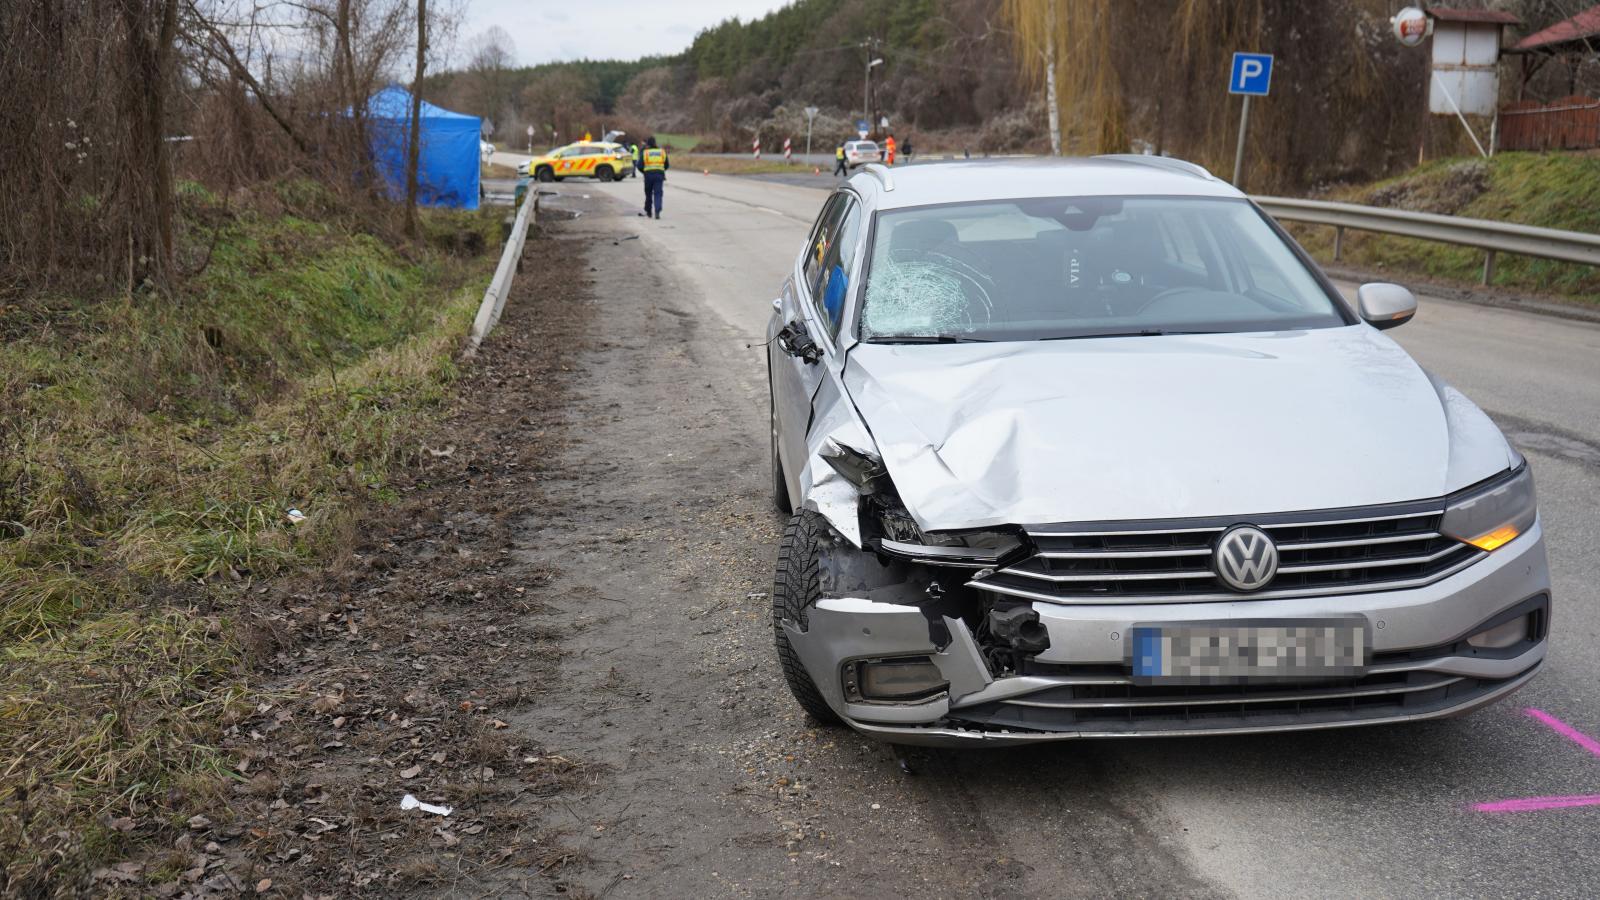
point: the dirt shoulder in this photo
(394, 671)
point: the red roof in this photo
(1580, 26)
(1479, 16)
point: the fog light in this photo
(1501, 636)
(895, 679)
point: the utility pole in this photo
(866, 84)
(811, 113)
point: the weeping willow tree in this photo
(1065, 47)
(1345, 97)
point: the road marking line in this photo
(1534, 804)
(1565, 730)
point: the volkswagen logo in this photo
(1245, 558)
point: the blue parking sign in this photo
(1251, 75)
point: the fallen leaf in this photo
(412, 772)
(199, 822)
(438, 757)
(263, 885)
(121, 823)
(499, 724)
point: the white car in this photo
(859, 153)
(485, 150)
(1091, 448)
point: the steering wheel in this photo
(1169, 292)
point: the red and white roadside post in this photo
(755, 147)
(788, 154)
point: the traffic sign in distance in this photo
(1251, 75)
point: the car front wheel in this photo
(606, 174)
(796, 586)
(545, 174)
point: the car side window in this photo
(822, 239)
(836, 267)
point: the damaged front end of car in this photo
(910, 635)
(881, 615)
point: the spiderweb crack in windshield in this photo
(931, 295)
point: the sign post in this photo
(1251, 76)
(530, 139)
(811, 113)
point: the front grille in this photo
(1355, 551)
(1145, 709)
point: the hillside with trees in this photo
(1346, 104)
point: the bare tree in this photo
(492, 56)
(414, 144)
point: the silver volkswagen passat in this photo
(1091, 448)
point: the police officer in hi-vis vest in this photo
(655, 166)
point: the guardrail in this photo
(1491, 237)
(494, 298)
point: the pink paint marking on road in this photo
(1534, 804)
(1565, 730)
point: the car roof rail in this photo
(1169, 163)
(882, 173)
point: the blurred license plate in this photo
(1212, 652)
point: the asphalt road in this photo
(1367, 812)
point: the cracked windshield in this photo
(1086, 267)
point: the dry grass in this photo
(150, 447)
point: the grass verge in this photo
(1550, 190)
(679, 143)
(151, 446)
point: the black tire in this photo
(780, 487)
(605, 173)
(545, 174)
(796, 585)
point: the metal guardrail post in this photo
(1338, 242)
(1488, 267)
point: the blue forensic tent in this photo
(447, 158)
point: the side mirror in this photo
(797, 342)
(1385, 305)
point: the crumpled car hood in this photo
(1027, 433)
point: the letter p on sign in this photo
(1251, 75)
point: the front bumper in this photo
(1417, 669)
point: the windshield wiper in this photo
(1144, 332)
(928, 339)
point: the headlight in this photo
(902, 537)
(1494, 516)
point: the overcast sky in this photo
(547, 30)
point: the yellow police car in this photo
(591, 159)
